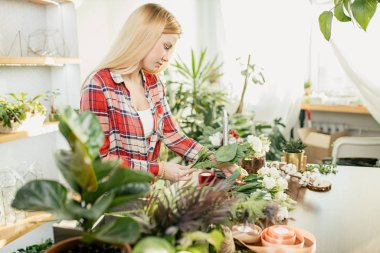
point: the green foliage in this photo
(253, 74)
(36, 248)
(294, 146)
(18, 109)
(322, 168)
(153, 244)
(231, 153)
(187, 209)
(96, 185)
(198, 101)
(359, 11)
(275, 137)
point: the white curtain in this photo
(359, 55)
(276, 34)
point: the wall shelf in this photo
(50, 2)
(37, 61)
(359, 109)
(50, 127)
(9, 233)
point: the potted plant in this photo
(294, 152)
(94, 186)
(183, 217)
(21, 114)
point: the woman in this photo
(129, 98)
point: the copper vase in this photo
(253, 164)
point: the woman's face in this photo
(158, 57)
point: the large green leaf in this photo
(43, 195)
(339, 13)
(153, 245)
(215, 238)
(325, 20)
(77, 168)
(363, 11)
(129, 192)
(226, 153)
(83, 127)
(119, 178)
(103, 168)
(117, 231)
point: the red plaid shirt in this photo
(107, 97)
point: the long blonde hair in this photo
(137, 37)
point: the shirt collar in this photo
(116, 77)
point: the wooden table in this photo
(347, 218)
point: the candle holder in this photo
(247, 233)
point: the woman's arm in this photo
(174, 139)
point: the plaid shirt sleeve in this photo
(176, 141)
(94, 100)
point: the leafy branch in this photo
(357, 11)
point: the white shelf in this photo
(37, 61)
(50, 127)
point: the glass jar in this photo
(8, 188)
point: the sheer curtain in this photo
(276, 34)
(359, 55)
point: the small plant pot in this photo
(206, 177)
(253, 164)
(298, 159)
(64, 246)
(31, 123)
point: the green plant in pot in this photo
(294, 152)
(183, 218)
(21, 114)
(93, 187)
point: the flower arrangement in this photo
(267, 185)
(311, 176)
(259, 144)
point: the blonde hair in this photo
(139, 34)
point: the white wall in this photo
(100, 21)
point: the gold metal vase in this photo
(297, 159)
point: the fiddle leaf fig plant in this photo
(94, 186)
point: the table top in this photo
(346, 218)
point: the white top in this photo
(147, 121)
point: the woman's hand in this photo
(228, 169)
(175, 172)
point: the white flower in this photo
(269, 182)
(281, 196)
(282, 213)
(282, 183)
(256, 143)
(216, 139)
(263, 171)
(232, 140)
(274, 172)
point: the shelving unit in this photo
(35, 75)
(50, 127)
(50, 2)
(33, 220)
(336, 108)
(37, 61)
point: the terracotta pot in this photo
(253, 164)
(65, 245)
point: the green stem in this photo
(241, 103)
